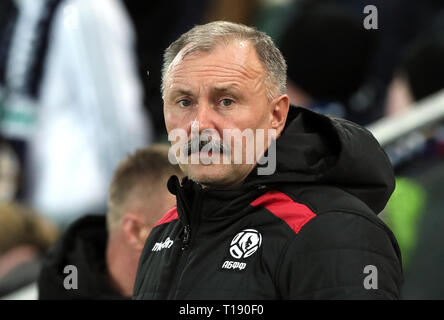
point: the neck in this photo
(122, 265)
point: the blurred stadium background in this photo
(79, 89)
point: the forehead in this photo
(236, 62)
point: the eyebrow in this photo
(180, 92)
(217, 90)
(228, 89)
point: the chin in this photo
(211, 175)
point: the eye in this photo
(226, 102)
(184, 103)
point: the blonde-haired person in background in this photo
(106, 250)
(24, 238)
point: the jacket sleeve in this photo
(341, 256)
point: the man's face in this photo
(217, 90)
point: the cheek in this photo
(167, 118)
(254, 118)
(172, 120)
(178, 119)
(265, 119)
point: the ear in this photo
(135, 230)
(280, 106)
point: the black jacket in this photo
(83, 245)
(308, 231)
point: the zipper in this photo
(189, 234)
(187, 237)
(194, 221)
(182, 253)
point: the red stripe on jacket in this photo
(169, 216)
(296, 215)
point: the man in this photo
(308, 230)
(105, 250)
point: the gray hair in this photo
(206, 37)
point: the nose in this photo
(206, 116)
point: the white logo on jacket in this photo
(163, 245)
(245, 243)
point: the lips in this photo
(212, 146)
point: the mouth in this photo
(213, 148)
